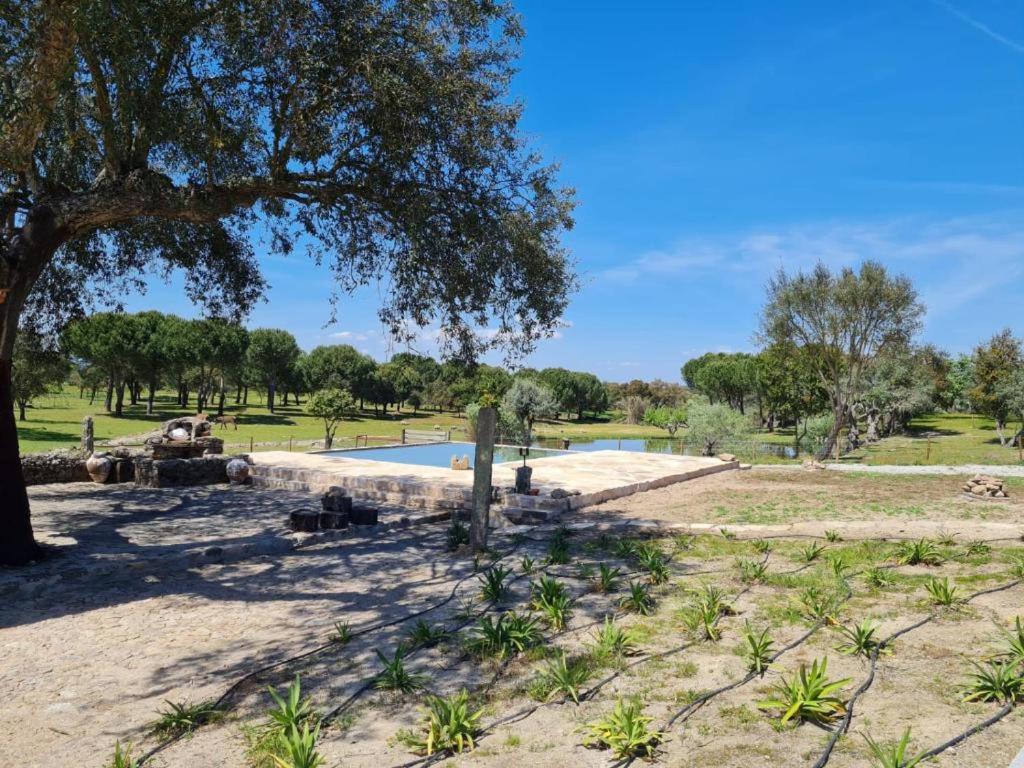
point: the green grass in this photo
(957, 438)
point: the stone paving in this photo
(118, 622)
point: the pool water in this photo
(436, 454)
(672, 445)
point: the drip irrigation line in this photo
(1006, 709)
(844, 724)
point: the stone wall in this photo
(54, 467)
(165, 473)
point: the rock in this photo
(179, 433)
(304, 520)
(978, 490)
(237, 471)
(363, 515)
(164, 473)
(99, 466)
(211, 446)
(726, 457)
(559, 493)
(61, 466)
(330, 520)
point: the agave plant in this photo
(893, 755)
(1015, 644)
(879, 577)
(292, 711)
(625, 731)
(860, 639)
(509, 634)
(808, 695)
(492, 583)
(178, 719)
(423, 635)
(751, 570)
(920, 552)
(762, 546)
(611, 640)
(607, 578)
(562, 675)
(299, 748)
(450, 726)
(457, 535)
(546, 590)
(942, 593)
(811, 552)
(394, 676)
(996, 681)
(638, 599)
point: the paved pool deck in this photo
(596, 475)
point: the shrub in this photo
(808, 695)
(625, 731)
(710, 425)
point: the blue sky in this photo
(711, 143)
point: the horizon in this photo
(719, 144)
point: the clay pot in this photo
(238, 471)
(99, 466)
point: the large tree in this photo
(847, 318)
(995, 365)
(378, 135)
(38, 367)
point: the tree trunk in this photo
(1000, 427)
(152, 396)
(238, 395)
(271, 388)
(17, 544)
(328, 441)
(220, 402)
(838, 412)
(21, 410)
(92, 395)
(108, 402)
(119, 402)
(245, 395)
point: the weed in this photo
(179, 719)
(818, 605)
(833, 536)
(946, 539)
(757, 651)
(291, 712)
(457, 535)
(122, 757)
(611, 641)
(920, 552)
(492, 583)
(527, 564)
(942, 593)
(808, 695)
(976, 548)
(838, 565)
(509, 634)
(996, 681)
(450, 726)
(727, 534)
(607, 578)
(342, 633)
(556, 611)
(683, 541)
(879, 577)
(1017, 569)
(423, 635)
(893, 755)
(625, 731)
(562, 675)
(860, 639)
(762, 546)
(751, 570)
(638, 600)
(1015, 644)
(394, 676)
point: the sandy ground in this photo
(88, 664)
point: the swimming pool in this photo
(436, 454)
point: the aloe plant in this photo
(808, 695)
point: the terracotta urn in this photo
(238, 471)
(99, 466)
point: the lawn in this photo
(942, 438)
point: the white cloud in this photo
(980, 26)
(352, 335)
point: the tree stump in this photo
(305, 520)
(330, 519)
(363, 515)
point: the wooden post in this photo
(484, 457)
(88, 439)
(251, 438)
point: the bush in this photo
(669, 419)
(710, 425)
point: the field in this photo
(651, 601)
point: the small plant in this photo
(727, 534)
(683, 541)
(450, 726)
(860, 639)
(457, 535)
(423, 635)
(838, 565)
(625, 731)
(1015, 644)
(585, 571)
(654, 561)
(757, 649)
(545, 590)
(179, 719)
(625, 548)
(638, 599)
(562, 675)
(941, 592)
(975, 548)
(808, 695)
(611, 641)
(292, 710)
(811, 552)
(607, 578)
(996, 681)
(558, 551)
(762, 546)
(492, 583)
(701, 618)
(394, 676)
(879, 577)
(920, 552)
(527, 564)
(751, 570)
(505, 636)
(1017, 569)
(299, 748)
(893, 755)
(342, 633)
(122, 757)
(556, 611)
(818, 605)
(832, 536)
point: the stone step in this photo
(381, 497)
(318, 479)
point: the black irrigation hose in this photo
(223, 698)
(1003, 712)
(844, 724)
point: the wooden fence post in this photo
(484, 457)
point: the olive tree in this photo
(379, 136)
(669, 419)
(330, 406)
(527, 401)
(38, 367)
(847, 318)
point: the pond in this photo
(671, 445)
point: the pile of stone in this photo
(985, 487)
(338, 511)
(61, 466)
